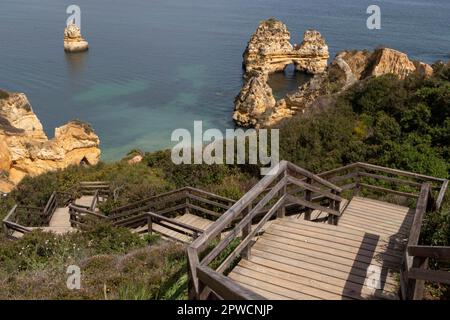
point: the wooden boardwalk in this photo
(297, 259)
(187, 219)
(378, 217)
(335, 244)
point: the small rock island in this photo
(73, 41)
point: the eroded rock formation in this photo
(255, 99)
(269, 50)
(26, 150)
(73, 41)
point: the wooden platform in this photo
(297, 259)
(189, 219)
(382, 218)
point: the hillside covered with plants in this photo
(402, 124)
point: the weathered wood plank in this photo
(224, 286)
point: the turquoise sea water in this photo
(158, 65)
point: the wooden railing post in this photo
(335, 205)
(415, 287)
(149, 224)
(245, 232)
(5, 228)
(282, 212)
(308, 197)
(357, 183)
(188, 201)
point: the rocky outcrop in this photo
(391, 61)
(255, 99)
(270, 50)
(73, 41)
(26, 150)
(255, 105)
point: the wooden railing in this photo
(173, 203)
(414, 271)
(159, 210)
(14, 228)
(149, 219)
(359, 176)
(284, 185)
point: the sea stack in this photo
(270, 50)
(73, 41)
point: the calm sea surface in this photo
(158, 65)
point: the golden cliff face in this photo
(26, 150)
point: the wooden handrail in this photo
(313, 188)
(78, 209)
(314, 177)
(399, 172)
(224, 287)
(214, 230)
(419, 214)
(245, 221)
(438, 252)
(246, 241)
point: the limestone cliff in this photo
(26, 150)
(269, 50)
(73, 41)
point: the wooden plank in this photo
(429, 275)
(317, 288)
(357, 242)
(367, 224)
(397, 181)
(321, 263)
(224, 287)
(306, 292)
(340, 229)
(378, 216)
(380, 206)
(319, 277)
(334, 172)
(438, 252)
(374, 230)
(211, 202)
(421, 207)
(337, 233)
(291, 294)
(266, 294)
(204, 210)
(311, 205)
(399, 193)
(399, 172)
(314, 177)
(325, 253)
(210, 194)
(441, 195)
(308, 241)
(313, 188)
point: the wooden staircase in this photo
(340, 245)
(298, 259)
